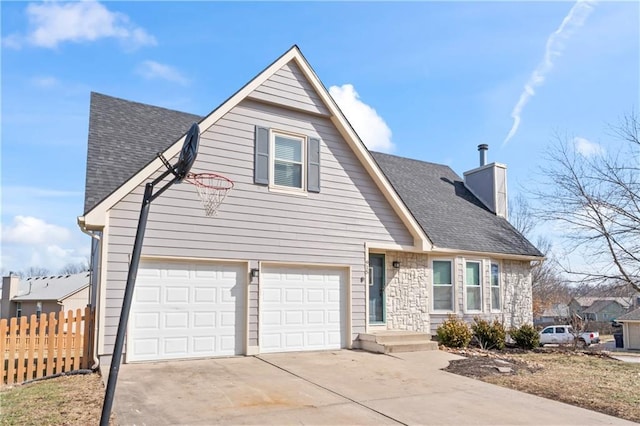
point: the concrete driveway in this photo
(322, 388)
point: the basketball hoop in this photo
(212, 189)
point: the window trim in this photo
(480, 264)
(302, 190)
(452, 285)
(499, 286)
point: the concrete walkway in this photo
(320, 388)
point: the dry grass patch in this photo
(589, 380)
(66, 400)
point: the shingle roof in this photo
(599, 305)
(587, 301)
(124, 137)
(631, 316)
(56, 287)
(450, 215)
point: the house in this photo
(556, 314)
(320, 240)
(600, 308)
(631, 329)
(42, 295)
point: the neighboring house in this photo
(600, 308)
(631, 329)
(556, 314)
(42, 295)
(320, 240)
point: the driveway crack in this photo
(330, 390)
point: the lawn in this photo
(66, 400)
(586, 379)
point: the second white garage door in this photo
(187, 310)
(302, 308)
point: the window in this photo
(473, 287)
(495, 287)
(38, 309)
(442, 285)
(560, 330)
(288, 161)
(18, 309)
(548, 330)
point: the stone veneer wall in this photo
(517, 296)
(407, 291)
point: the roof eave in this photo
(508, 256)
(95, 218)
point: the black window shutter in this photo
(313, 165)
(261, 151)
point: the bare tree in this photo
(34, 271)
(596, 198)
(75, 268)
(547, 285)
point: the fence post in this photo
(11, 371)
(4, 330)
(31, 355)
(51, 335)
(87, 344)
(42, 332)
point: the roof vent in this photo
(483, 148)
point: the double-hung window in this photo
(495, 287)
(288, 161)
(442, 285)
(38, 309)
(473, 286)
(18, 309)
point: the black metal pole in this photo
(126, 307)
(128, 293)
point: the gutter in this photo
(96, 361)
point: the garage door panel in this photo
(310, 316)
(187, 310)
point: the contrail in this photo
(554, 48)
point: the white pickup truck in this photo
(563, 335)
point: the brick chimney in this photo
(488, 182)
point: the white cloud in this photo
(45, 82)
(156, 70)
(52, 23)
(31, 230)
(586, 148)
(371, 128)
(30, 241)
(575, 19)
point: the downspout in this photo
(96, 361)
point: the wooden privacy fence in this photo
(55, 343)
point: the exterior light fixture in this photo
(255, 272)
(396, 264)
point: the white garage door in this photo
(187, 310)
(301, 309)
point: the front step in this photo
(390, 341)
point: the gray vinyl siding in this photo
(290, 87)
(257, 225)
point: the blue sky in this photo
(434, 79)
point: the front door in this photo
(376, 288)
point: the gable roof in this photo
(57, 287)
(450, 215)
(125, 136)
(600, 305)
(588, 301)
(631, 316)
(557, 310)
(94, 218)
